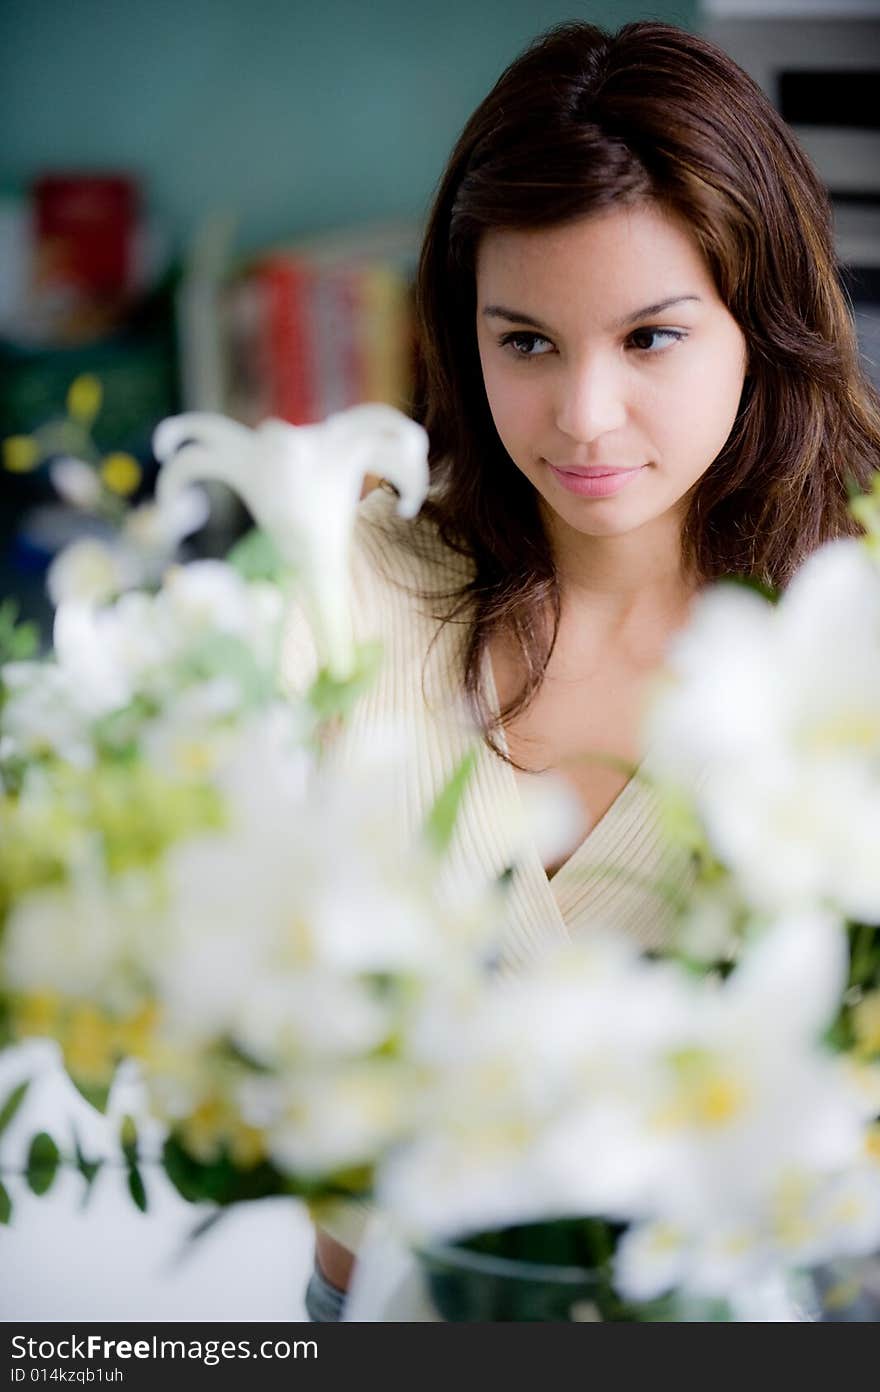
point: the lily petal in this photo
(303, 484)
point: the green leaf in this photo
(218, 1180)
(200, 1229)
(117, 733)
(207, 1223)
(12, 1104)
(97, 1095)
(128, 1140)
(256, 557)
(18, 641)
(5, 1205)
(42, 1163)
(136, 1188)
(87, 1168)
(441, 820)
(183, 1172)
(331, 698)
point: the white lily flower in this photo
(770, 724)
(154, 531)
(83, 938)
(42, 714)
(90, 571)
(81, 633)
(650, 1259)
(76, 482)
(302, 485)
(323, 1121)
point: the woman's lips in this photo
(597, 484)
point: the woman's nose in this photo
(591, 400)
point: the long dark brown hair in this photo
(583, 121)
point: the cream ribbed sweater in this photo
(607, 881)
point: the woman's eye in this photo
(646, 335)
(523, 344)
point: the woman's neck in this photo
(630, 585)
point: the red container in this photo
(85, 227)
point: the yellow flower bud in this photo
(21, 454)
(121, 473)
(84, 398)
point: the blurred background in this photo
(216, 205)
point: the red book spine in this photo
(292, 388)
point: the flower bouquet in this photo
(614, 1137)
(185, 885)
(694, 1137)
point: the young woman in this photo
(639, 373)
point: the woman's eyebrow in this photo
(517, 317)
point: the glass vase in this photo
(465, 1284)
(846, 1291)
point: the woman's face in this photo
(612, 403)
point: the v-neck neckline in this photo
(598, 831)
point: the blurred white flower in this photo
(94, 570)
(90, 571)
(77, 483)
(707, 1115)
(318, 1122)
(302, 485)
(84, 939)
(87, 650)
(154, 532)
(43, 715)
(546, 818)
(770, 721)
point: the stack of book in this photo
(318, 326)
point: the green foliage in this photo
(134, 812)
(256, 557)
(33, 850)
(5, 1205)
(42, 1163)
(12, 1104)
(219, 1180)
(864, 940)
(441, 819)
(136, 1188)
(331, 699)
(128, 1139)
(224, 655)
(87, 1168)
(116, 735)
(18, 641)
(96, 1094)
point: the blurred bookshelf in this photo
(314, 326)
(295, 330)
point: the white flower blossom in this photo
(769, 719)
(302, 485)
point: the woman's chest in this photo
(585, 725)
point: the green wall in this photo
(294, 116)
